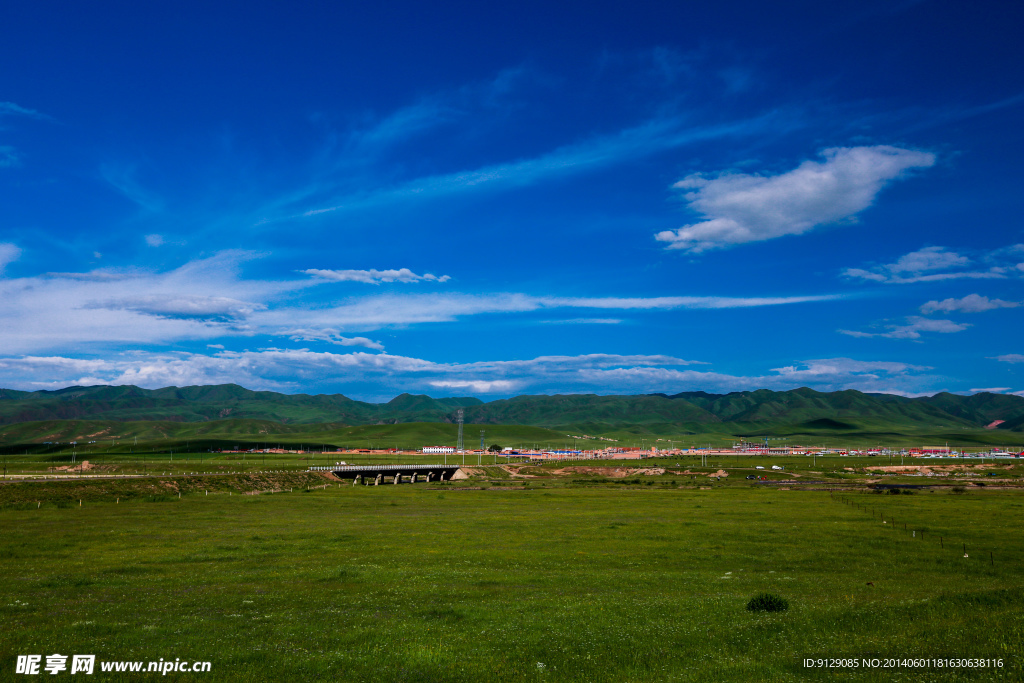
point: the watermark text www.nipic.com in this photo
(33, 665)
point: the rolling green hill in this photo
(234, 411)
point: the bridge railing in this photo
(357, 468)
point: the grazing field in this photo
(549, 580)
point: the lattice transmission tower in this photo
(459, 447)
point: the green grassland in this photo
(555, 580)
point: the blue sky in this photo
(467, 199)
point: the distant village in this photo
(636, 452)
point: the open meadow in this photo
(572, 578)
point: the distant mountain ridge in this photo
(832, 410)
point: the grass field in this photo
(555, 580)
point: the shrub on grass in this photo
(767, 602)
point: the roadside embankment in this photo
(71, 491)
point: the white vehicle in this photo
(776, 467)
(758, 468)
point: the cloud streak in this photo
(652, 137)
(12, 109)
(373, 276)
(912, 329)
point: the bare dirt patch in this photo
(84, 466)
(719, 473)
(514, 472)
(611, 472)
(467, 472)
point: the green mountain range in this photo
(754, 411)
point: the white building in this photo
(438, 449)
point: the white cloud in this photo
(991, 390)
(972, 303)
(741, 208)
(154, 240)
(913, 328)
(917, 266)
(479, 386)
(9, 253)
(929, 258)
(837, 368)
(373, 276)
(1010, 358)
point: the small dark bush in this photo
(958, 489)
(767, 602)
(907, 492)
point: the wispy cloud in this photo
(373, 276)
(972, 303)
(652, 137)
(740, 207)
(1010, 358)
(674, 302)
(12, 109)
(9, 253)
(912, 328)
(331, 336)
(124, 180)
(183, 307)
(9, 157)
(919, 266)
